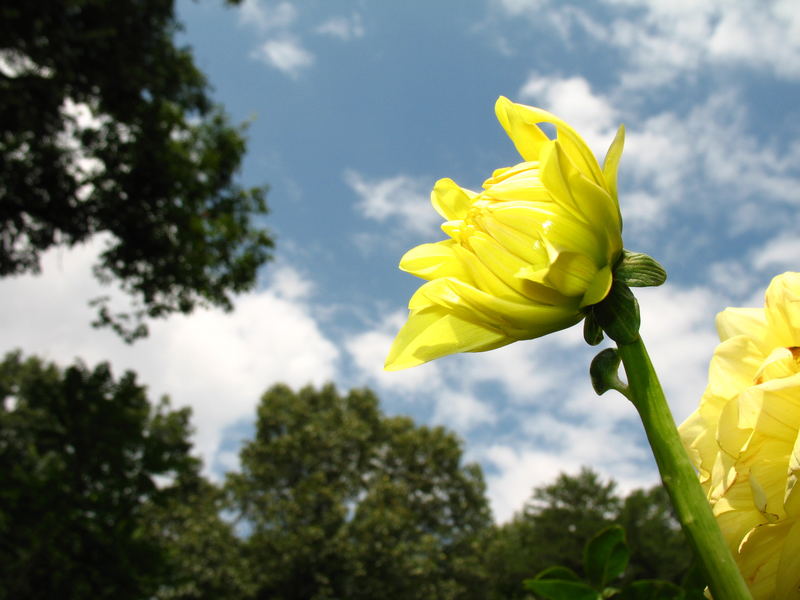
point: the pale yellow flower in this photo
(744, 439)
(524, 256)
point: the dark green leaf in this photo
(618, 314)
(652, 590)
(563, 573)
(604, 372)
(606, 556)
(592, 332)
(553, 589)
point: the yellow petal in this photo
(520, 122)
(430, 261)
(551, 223)
(522, 320)
(759, 557)
(583, 198)
(572, 273)
(733, 368)
(598, 287)
(435, 332)
(782, 307)
(451, 201)
(527, 137)
(751, 322)
(788, 576)
(791, 499)
(611, 163)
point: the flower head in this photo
(525, 255)
(744, 438)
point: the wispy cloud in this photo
(401, 199)
(280, 47)
(285, 54)
(343, 28)
(661, 42)
(259, 14)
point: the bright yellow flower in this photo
(525, 256)
(744, 438)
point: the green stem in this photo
(679, 476)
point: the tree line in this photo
(101, 497)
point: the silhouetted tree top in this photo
(342, 501)
(107, 127)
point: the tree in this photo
(108, 127)
(558, 520)
(87, 470)
(552, 529)
(344, 502)
(205, 557)
(659, 549)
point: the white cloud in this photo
(462, 411)
(515, 471)
(218, 363)
(343, 28)
(286, 54)
(259, 14)
(678, 329)
(572, 99)
(706, 160)
(663, 41)
(279, 47)
(782, 253)
(403, 199)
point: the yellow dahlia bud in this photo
(525, 255)
(744, 439)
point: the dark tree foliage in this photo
(81, 508)
(552, 529)
(560, 518)
(659, 549)
(205, 557)
(344, 502)
(153, 168)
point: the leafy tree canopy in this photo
(561, 517)
(344, 502)
(107, 127)
(99, 494)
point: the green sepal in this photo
(618, 314)
(605, 556)
(635, 269)
(558, 589)
(592, 332)
(604, 373)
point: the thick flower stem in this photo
(679, 477)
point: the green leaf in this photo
(604, 373)
(563, 573)
(592, 332)
(639, 270)
(606, 556)
(694, 582)
(652, 590)
(556, 589)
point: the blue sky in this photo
(358, 107)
